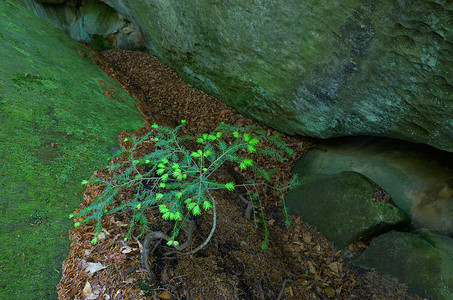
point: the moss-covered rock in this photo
(344, 207)
(90, 22)
(418, 178)
(423, 260)
(60, 116)
(314, 68)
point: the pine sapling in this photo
(178, 180)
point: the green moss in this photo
(424, 261)
(57, 128)
(345, 210)
(315, 68)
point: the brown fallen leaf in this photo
(127, 249)
(307, 238)
(101, 236)
(334, 267)
(311, 267)
(291, 293)
(330, 292)
(87, 289)
(164, 295)
(93, 267)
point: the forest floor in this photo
(300, 263)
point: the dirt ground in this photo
(299, 263)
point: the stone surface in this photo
(343, 208)
(423, 260)
(91, 22)
(60, 116)
(53, 2)
(418, 178)
(314, 68)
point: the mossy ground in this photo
(60, 116)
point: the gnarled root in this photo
(155, 235)
(159, 235)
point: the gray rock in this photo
(315, 68)
(91, 22)
(57, 127)
(53, 2)
(418, 178)
(343, 208)
(423, 260)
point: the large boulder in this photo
(60, 116)
(418, 178)
(88, 21)
(344, 207)
(423, 260)
(315, 68)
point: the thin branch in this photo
(282, 290)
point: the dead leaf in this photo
(122, 224)
(127, 249)
(140, 246)
(164, 295)
(311, 267)
(94, 267)
(87, 289)
(307, 238)
(334, 267)
(360, 244)
(101, 236)
(291, 293)
(129, 280)
(330, 292)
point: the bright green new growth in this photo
(177, 181)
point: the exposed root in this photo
(159, 235)
(282, 290)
